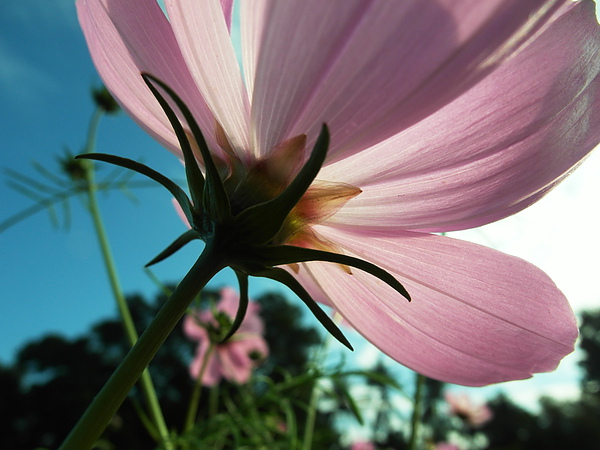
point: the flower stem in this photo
(213, 401)
(192, 411)
(311, 415)
(146, 383)
(416, 417)
(114, 392)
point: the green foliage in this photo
(54, 379)
(558, 424)
(590, 344)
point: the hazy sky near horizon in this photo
(53, 280)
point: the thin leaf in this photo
(349, 401)
(62, 196)
(24, 179)
(178, 243)
(243, 306)
(176, 191)
(50, 175)
(44, 203)
(286, 278)
(31, 210)
(26, 191)
(215, 199)
(377, 377)
(193, 173)
(66, 207)
(289, 254)
(290, 421)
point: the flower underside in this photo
(260, 217)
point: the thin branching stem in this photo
(316, 392)
(114, 392)
(413, 444)
(147, 386)
(192, 412)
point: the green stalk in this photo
(146, 383)
(192, 412)
(213, 401)
(315, 395)
(109, 399)
(416, 417)
(310, 418)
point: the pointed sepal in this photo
(194, 176)
(242, 308)
(260, 223)
(286, 278)
(289, 254)
(178, 193)
(214, 198)
(178, 243)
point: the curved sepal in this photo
(262, 222)
(286, 278)
(178, 243)
(178, 193)
(194, 176)
(242, 308)
(289, 254)
(214, 199)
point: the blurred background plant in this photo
(51, 189)
(53, 379)
(300, 396)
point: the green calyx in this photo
(245, 239)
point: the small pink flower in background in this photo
(363, 445)
(443, 115)
(446, 446)
(462, 406)
(235, 359)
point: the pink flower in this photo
(444, 115)
(462, 406)
(235, 359)
(363, 445)
(446, 446)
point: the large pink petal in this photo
(227, 6)
(372, 68)
(477, 316)
(493, 151)
(127, 37)
(203, 37)
(254, 14)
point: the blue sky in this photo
(53, 280)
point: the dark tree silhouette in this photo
(54, 379)
(558, 424)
